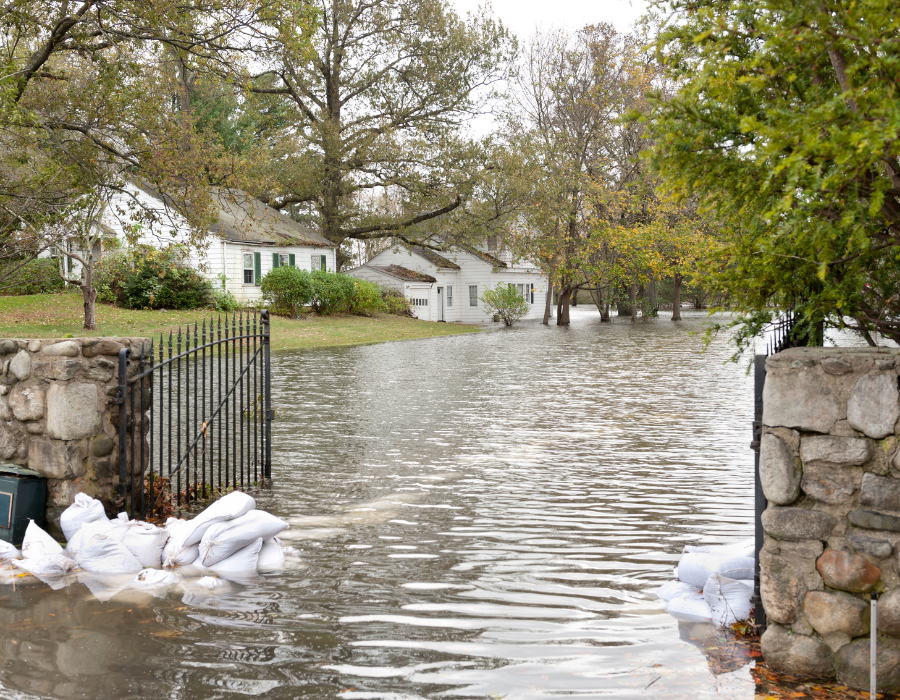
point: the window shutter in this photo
(257, 267)
(274, 260)
(292, 260)
(324, 264)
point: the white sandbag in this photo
(695, 567)
(224, 539)
(676, 589)
(145, 542)
(690, 608)
(38, 544)
(728, 600)
(114, 529)
(271, 556)
(175, 553)
(737, 568)
(211, 583)
(8, 551)
(84, 510)
(229, 507)
(244, 561)
(51, 565)
(155, 578)
(104, 554)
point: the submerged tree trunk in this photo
(652, 301)
(676, 297)
(548, 304)
(562, 308)
(604, 313)
(632, 299)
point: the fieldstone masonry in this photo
(58, 416)
(830, 470)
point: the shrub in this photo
(223, 300)
(40, 276)
(506, 302)
(159, 279)
(332, 292)
(395, 303)
(366, 298)
(109, 277)
(287, 289)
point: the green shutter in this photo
(257, 265)
(274, 260)
(292, 260)
(324, 264)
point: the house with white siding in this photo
(247, 239)
(447, 286)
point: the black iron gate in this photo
(195, 414)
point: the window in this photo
(284, 260)
(449, 297)
(492, 243)
(419, 302)
(318, 262)
(473, 295)
(520, 288)
(248, 268)
(531, 301)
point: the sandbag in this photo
(155, 578)
(104, 554)
(37, 544)
(114, 529)
(175, 553)
(8, 551)
(229, 507)
(244, 561)
(690, 608)
(145, 542)
(211, 583)
(84, 510)
(695, 567)
(225, 538)
(737, 568)
(728, 600)
(271, 556)
(50, 565)
(676, 589)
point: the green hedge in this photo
(40, 276)
(147, 278)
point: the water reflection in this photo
(478, 515)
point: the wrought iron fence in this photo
(195, 414)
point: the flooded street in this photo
(480, 516)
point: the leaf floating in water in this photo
(168, 633)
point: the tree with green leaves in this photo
(380, 103)
(785, 129)
(505, 301)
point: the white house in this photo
(248, 239)
(447, 286)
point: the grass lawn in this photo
(61, 315)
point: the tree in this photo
(86, 104)
(380, 104)
(505, 301)
(785, 129)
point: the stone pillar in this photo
(830, 470)
(57, 414)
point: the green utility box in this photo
(23, 495)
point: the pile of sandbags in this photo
(713, 584)
(229, 538)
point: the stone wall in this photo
(58, 416)
(830, 469)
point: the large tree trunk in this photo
(676, 297)
(548, 304)
(90, 307)
(562, 308)
(575, 298)
(604, 313)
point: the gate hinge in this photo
(270, 414)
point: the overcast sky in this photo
(522, 16)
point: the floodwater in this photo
(480, 516)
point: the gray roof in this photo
(244, 218)
(403, 273)
(433, 258)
